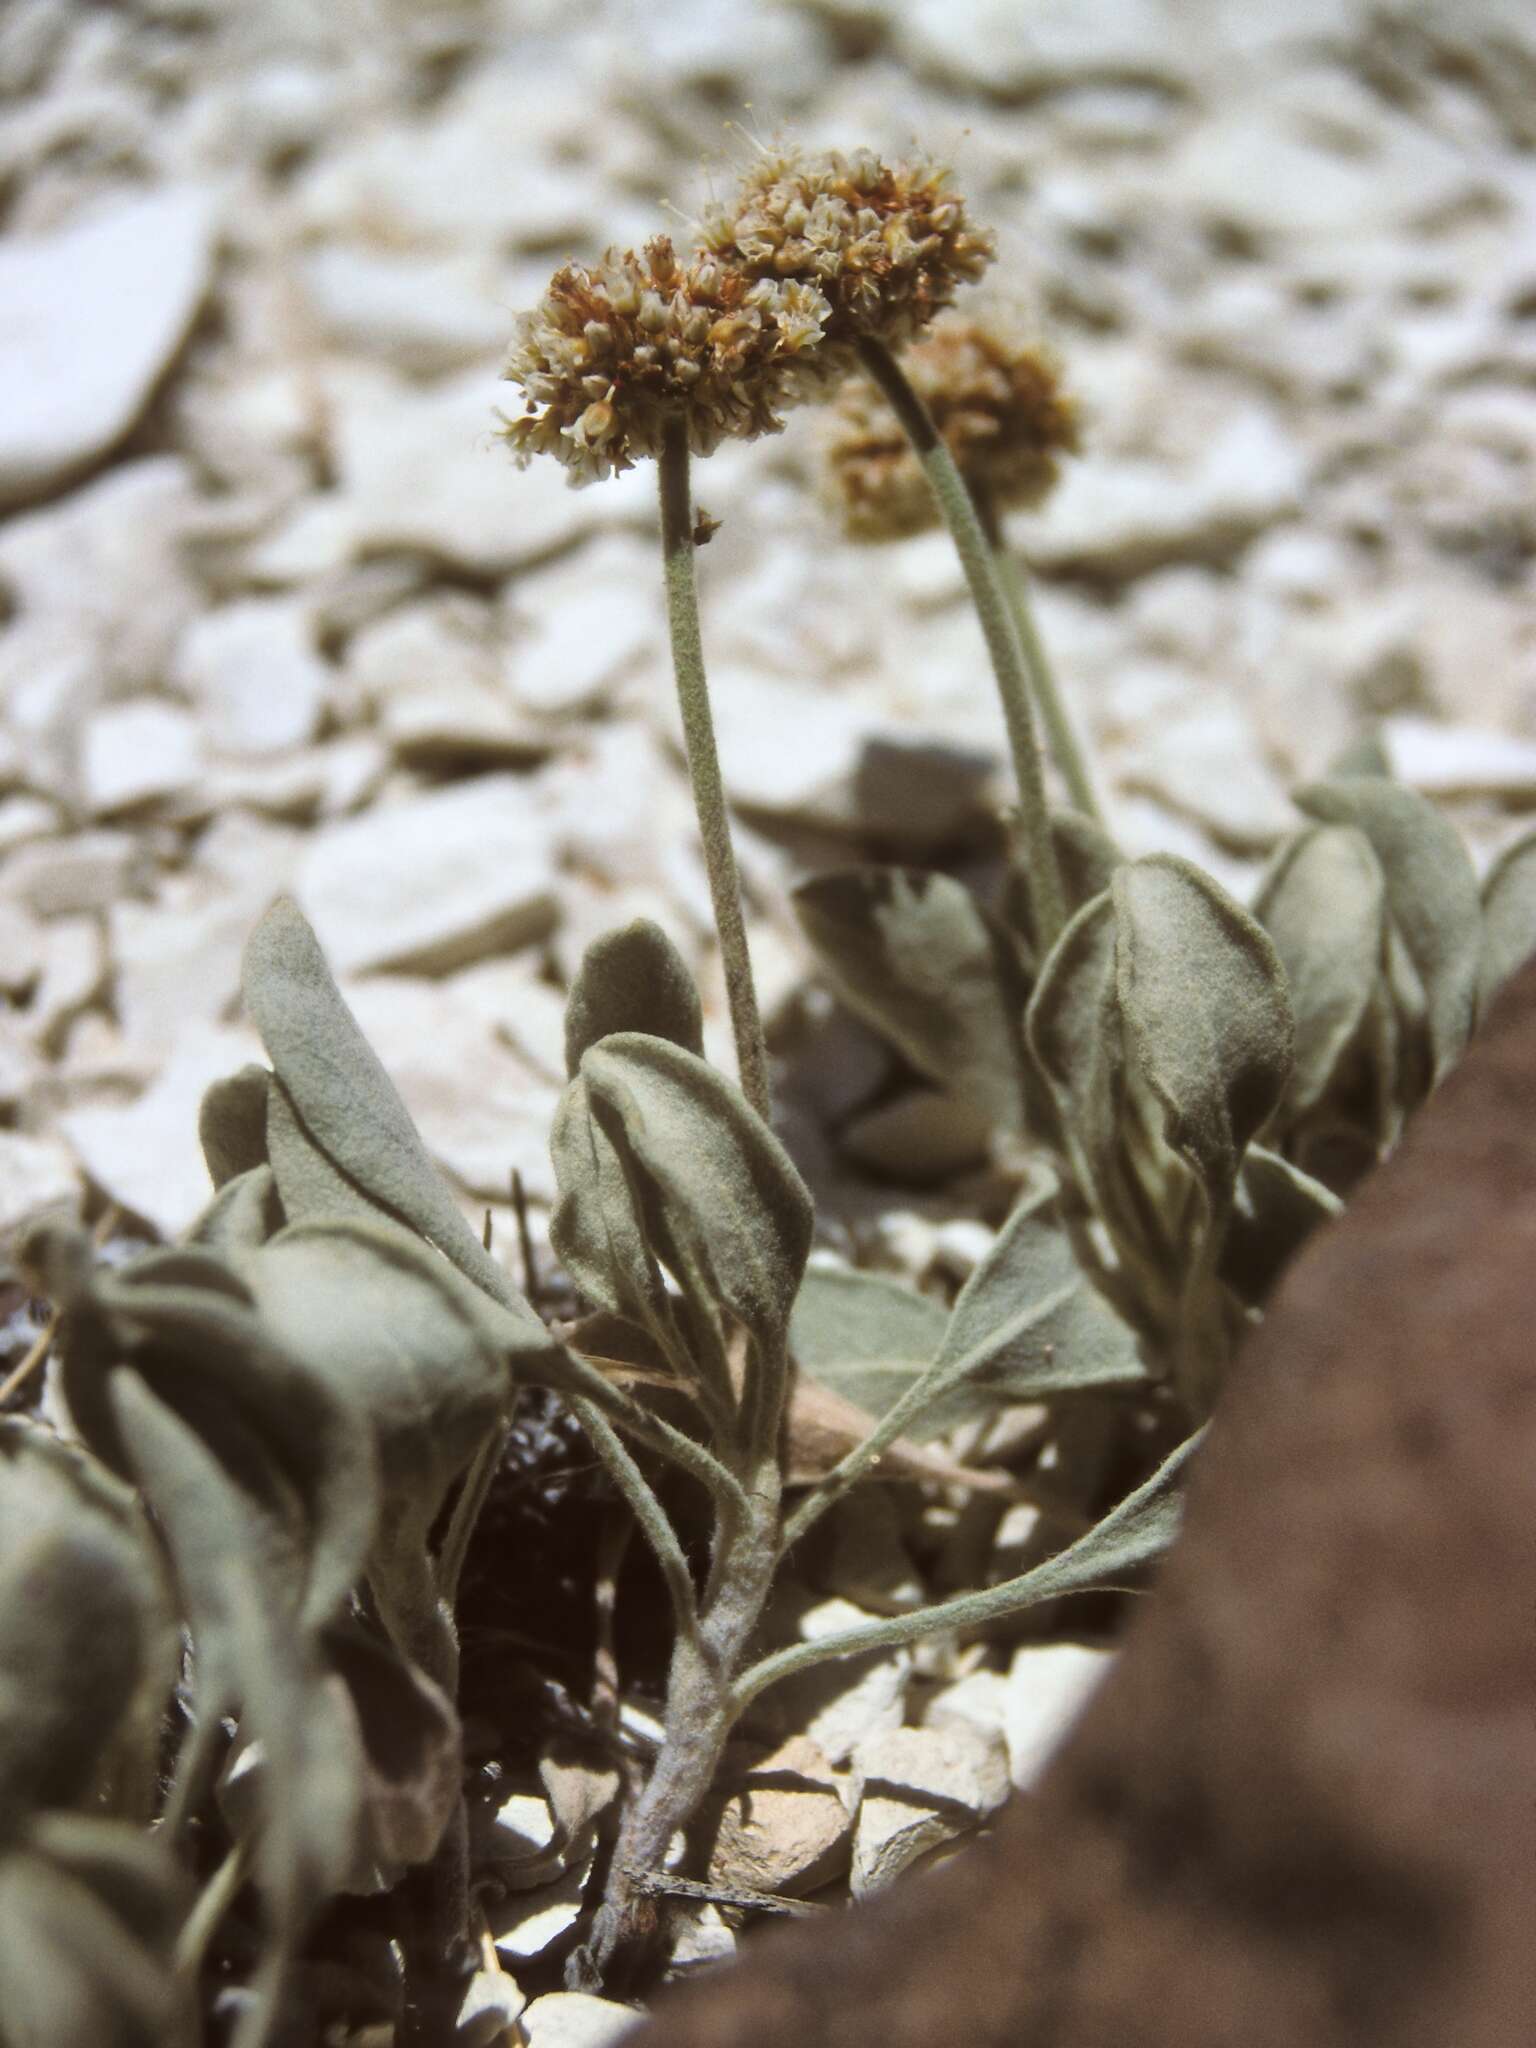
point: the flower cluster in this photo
(997, 401)
(613, 351)
(763, 315)
(887, 246)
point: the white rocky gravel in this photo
(277, 612)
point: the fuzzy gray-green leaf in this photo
(1028, 1323)
(714, 1184)
(1509, 918)
(187, 1325)
(83, 1624)
(418, 1355)
(1431, 894)
(1073, 1028)
(596, 1229)
(1206, 1016)
(232, 1124)
(343, 1098)
(1324, 904)
(867, 1338)
(632, 979)
(1276, 1210)
(73, 1972)
(914, 955)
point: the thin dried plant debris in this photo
(997, 399)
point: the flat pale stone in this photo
(136, 753)
(1123, 516)
(822, 757)
(24, 818)
(582, 627)
(572, 2019)
(840, 1703)
(425, 313)
(147, 1156)
(433, 882)
(1460, 760)
(90, 317)
(776, 1823)
(74, 969)
(63, 877)
(1000, 47)
(919, 1788)
(1048, 1687)
(179, 956)
(255, 676)
(36, 1175)
(21, 948)
(1206, 762)
(422, 470)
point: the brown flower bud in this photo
(614, 350)
(885, 246)
(996, 399)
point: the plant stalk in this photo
(677, 550)
(997, 624)
(1066, 751)
(702, 1709)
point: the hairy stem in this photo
(997, 624)
(701, 1711)
(1066, 751)
(704, 765)
(648, 1512)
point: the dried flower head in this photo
(887, 247)
(997, 400)
(613, 351)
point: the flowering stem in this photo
(997, 623)
(704, 764)
(1065, 750)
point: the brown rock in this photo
(1299, 1813)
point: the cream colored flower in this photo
(996, 399)
(886, 246)
(615, 350)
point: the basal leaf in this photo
(1276, 1210)
(1204, 1010)
(251, 1652)
(914, 955)
(632, 979)
(597, 1229)
(186, 1324)
(1086, 858)
(242, 1215)
(232, 1124)
(1324, 905)
(410, 1746)
(72, 1971)
(1073, 1028)
(1509, 918)
(85, 1643)
(1028, 1323)
(418, 1356)
(867, 1338)
(1431, 894)
(715, 1187)
(344, 1099)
